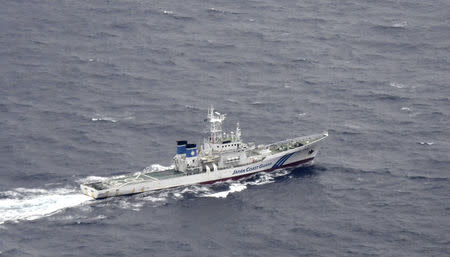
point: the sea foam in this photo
(33, 203)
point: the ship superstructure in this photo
(222, 156)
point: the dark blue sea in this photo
(94, 89)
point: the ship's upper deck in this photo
(136, 178)
(295, 142)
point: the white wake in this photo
(33, 203)
(237, 186)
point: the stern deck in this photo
(134, 178)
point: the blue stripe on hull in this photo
(278, 162)
(282, 160)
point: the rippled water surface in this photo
(92, 89)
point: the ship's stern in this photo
(90, 190)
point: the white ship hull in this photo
(300, 156)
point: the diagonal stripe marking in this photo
(285, 159)
(281, 160)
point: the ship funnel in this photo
(181, 147)
(191, 150)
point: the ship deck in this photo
(135, 178)
(295, 142)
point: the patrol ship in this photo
(222, 156)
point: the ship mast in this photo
(215, 119)
(238, 133)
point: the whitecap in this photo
(397, 85)
(234, 187)
(154, 199)
(195, 189)
(99, 217)
(102, 118)
(406, 109)
(9, 194)
(177, 195)
(264, 178)
(426, 143)
(128, 205)
(212, 9)
(30, 190)
(137, 206)
(78, 219)
(401, 24)
(91, 179)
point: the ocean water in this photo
(92, 89)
